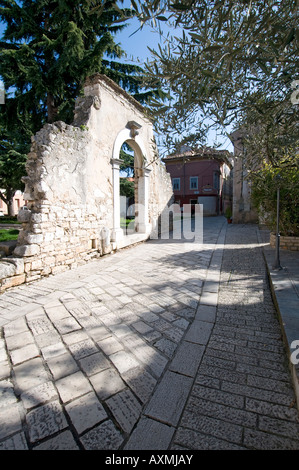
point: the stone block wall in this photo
(12, 273)
(63, 224)
(285, 243)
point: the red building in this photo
(202, 176)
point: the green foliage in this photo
(127, 156)
(9, 220)
(126, 187)
(233, 64)
(270, 131)
(271, 145)
(17, 124)
(48, 49)
(228, 213)
(124, 223)
(221, 54)
(264, 195)
(12, 161)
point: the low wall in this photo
(286, 243)
(12, 273)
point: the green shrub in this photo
(228, 213)
(264, 196)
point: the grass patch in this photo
(125, 222)
(7, 235)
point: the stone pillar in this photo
(117, 233)
(143, 197)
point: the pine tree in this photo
(48, 49)
(17, 124)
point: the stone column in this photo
(117, 233)
(143, 197)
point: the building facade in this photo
(202, 176)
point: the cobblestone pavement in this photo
(158, 347)
(242, 397)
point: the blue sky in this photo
(135, 42)
(136, 47)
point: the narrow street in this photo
(157, 347)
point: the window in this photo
(176, 184)
(193, 182)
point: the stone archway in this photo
(72, 182)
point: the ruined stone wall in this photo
(69, 183)
(66, 209)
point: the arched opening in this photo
(128, 186)
(129, 157)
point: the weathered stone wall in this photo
(66, 210)
(69, 182)
(243, 211)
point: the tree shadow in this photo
(103, 349)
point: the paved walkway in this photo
(158, 347)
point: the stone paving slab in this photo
(187, 359)
(150, 434)
(156, 347)
(199, 332)
(168, 400)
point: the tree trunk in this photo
(10, 202)
(7, 198)
(52, 111)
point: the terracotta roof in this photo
(204, 153)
